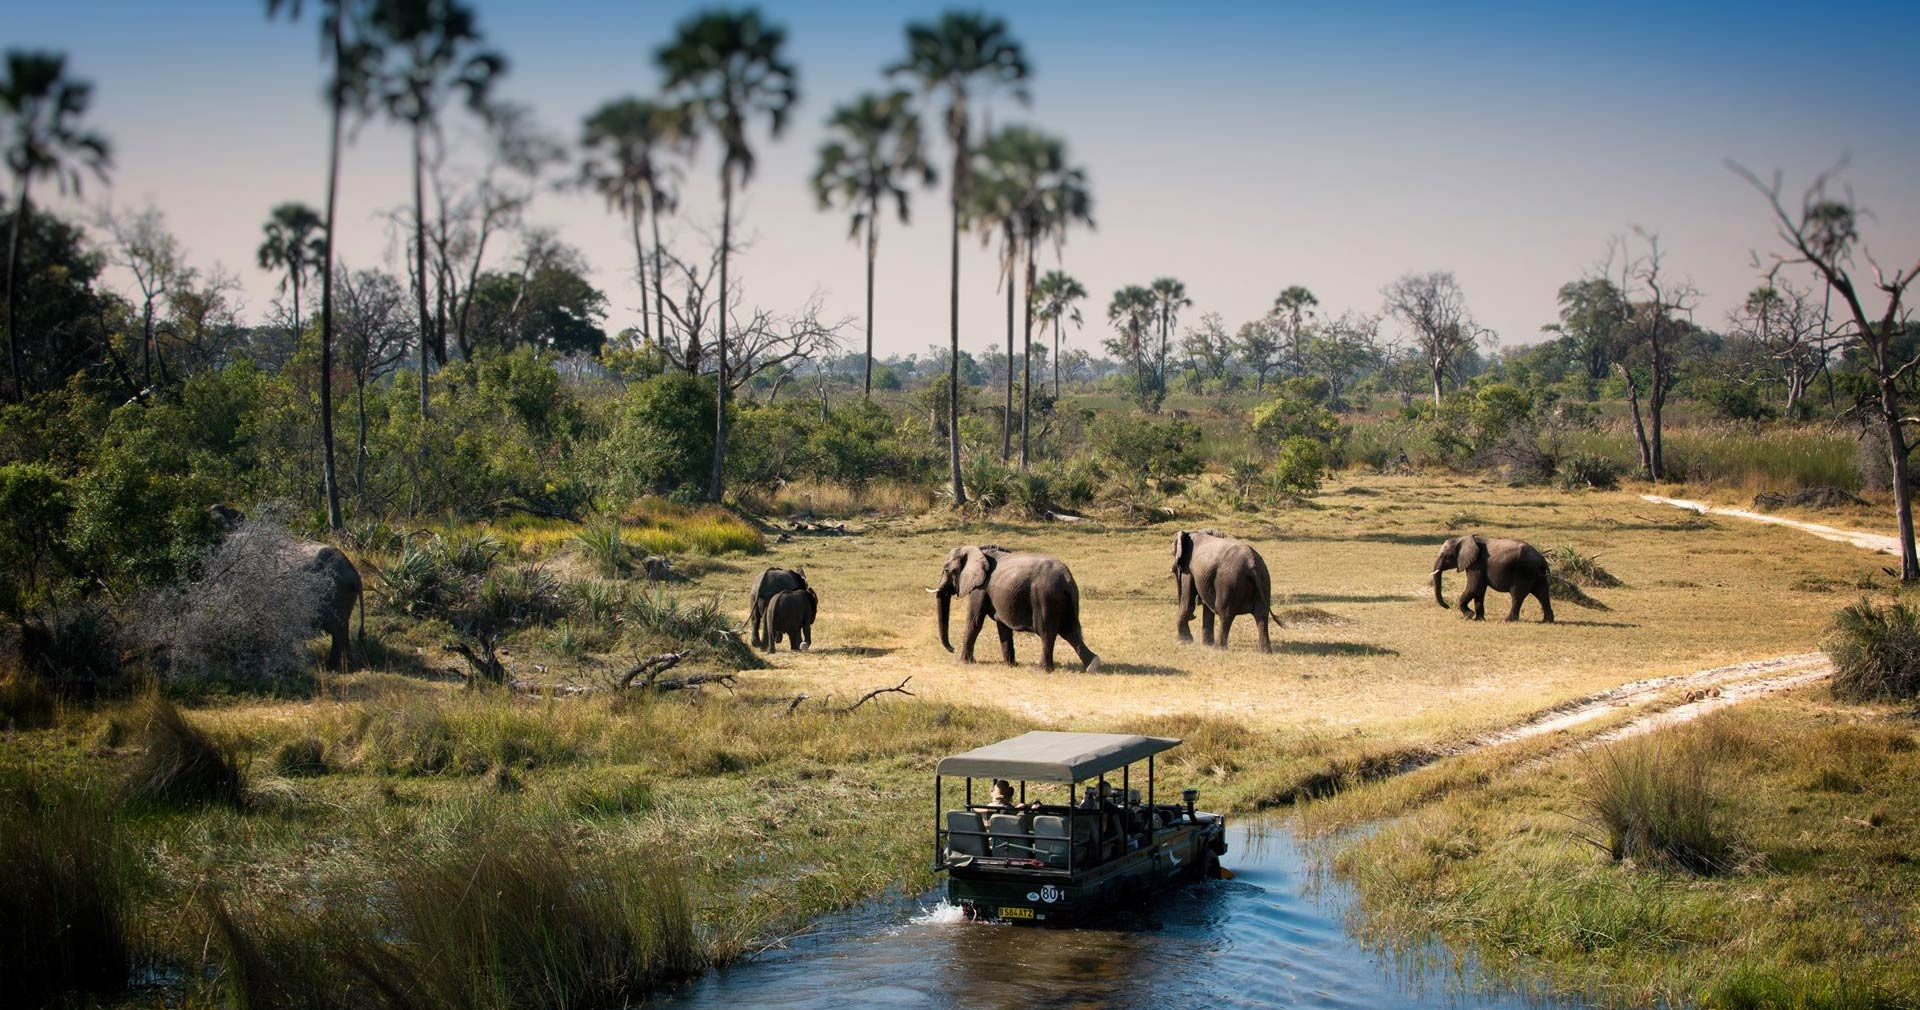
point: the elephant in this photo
(1020, 592)
(791, 614)
(1226, 578)
(1510, 566)
(344, 588)
(768, 584)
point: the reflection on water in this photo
(1274, 936)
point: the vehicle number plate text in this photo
(1016, 913)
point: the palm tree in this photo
(1055, 298)
(624, 143)
(440, 57)
(1169, 296)
(954, 56)
(876, 149)
(996, 203)
(295, 243)
(1060, 200)
(731, 69)
(1132, 311)
(1295, 305)
(347, 88)
(40, 104)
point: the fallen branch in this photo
(877, 692)
(691, 681)
(652, 667)
(795, 703)
(1065, 517)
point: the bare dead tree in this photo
(371, 320)
(1823, 234)
(1652, 306)
(1434, 310)
(1785, 328)
(141, 244)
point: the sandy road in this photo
(1871, 541)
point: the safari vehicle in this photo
(1058, 861)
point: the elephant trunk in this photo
(1437, 598)
(943, 600)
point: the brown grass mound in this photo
(179, 763)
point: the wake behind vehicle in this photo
(1067, 862)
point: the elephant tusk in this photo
(935, 592)
(1436, 571)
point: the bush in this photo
(1161, 452)
(1299, 465)
(1588, 470)
(245, 621)
(1875, 652)
(1734, 401)
(306, 755)
(1654, 806)
(662, 440)
(66, 877)
(179, 764)
(1580, 569)
(602, 544)
(74, 650)
(1280, 420)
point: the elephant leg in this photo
(1206, 626)
(337, 633)
(1260, 621)
(976, 616)
(1187, 599)
(772, 641)
(754, 629)
(808, 633)
(1047, 639)
(1473, 601)
(1540, 591)
(1519, 597)
(1089, 661)
(1226, 626)
(1006, 642)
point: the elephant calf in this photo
(1224, 577)
(768, 584)
(1510, 566)
(1020, 592)
(791, 614)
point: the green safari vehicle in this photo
(1057, 860)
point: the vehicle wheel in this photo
(1210, 867)
(1218, 846)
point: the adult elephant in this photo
(1510, 566)
(1225, 577)
(767, 585)
(1020, 592)
(344, 590)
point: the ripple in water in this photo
(1275, 936)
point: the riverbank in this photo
(740, 814)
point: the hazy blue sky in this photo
(1240, 147)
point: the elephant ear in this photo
(973, 574)
(1473, 552)
(1182, 550)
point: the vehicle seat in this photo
(1007, 835)
(965, 834)
(1051, 840)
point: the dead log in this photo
(652, 667)
(901, 688)
(795, 703)
(694, 680)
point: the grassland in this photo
(769, 816)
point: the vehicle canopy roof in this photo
(1050, 756)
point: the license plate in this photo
(1016, 913)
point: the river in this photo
(1274, 936)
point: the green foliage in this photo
(1875, 652)
(1655, 808)
(1142, 450)
(1588, 470)
(1285, 418)
(662, 439)
(1580, 569)
(34, 508)
(1733, 401)
(602, 543)
(1299, 465)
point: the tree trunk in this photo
(1026, 364)
(873, 250)
(146, 342)
(1639, 428)
(659, 290)
(1438, 371)
(420, 262)
(328, 477)
(360, 448)
(1902, 492)
(1656, 402)
(717, 484)
(640, 268)
(13, 292)
(1006, 417)
(953, 336)
(1056, 357)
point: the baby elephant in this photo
(1510, 566)
(790, 614)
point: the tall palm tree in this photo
(731, 68)
(432, 53)
(626, 143)
(346, 89)
(1169, 296)
(39, 104)
(961, 53)
(1295, 305)
(1060, 200)
(874, 151)
(1133, 311)
(996, 202)
(1056, 297)
(295, 243)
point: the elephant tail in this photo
(360, 600)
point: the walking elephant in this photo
(342, 580)
(1020, 592)
(1225, 577)
(790, 615)
(768, 584)
(1510, 566)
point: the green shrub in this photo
(1299, 465)
(33, 551)
(304, 755)
(662, 439)
(1654, 806)
(1875, 652)
(66, 880)
(1280, 420)
(602, 544)
(1588, 470)
(1733, 401)
(1144, 450)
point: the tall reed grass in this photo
(1653, 805)
(66, 878)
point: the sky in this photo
(1240, 147)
